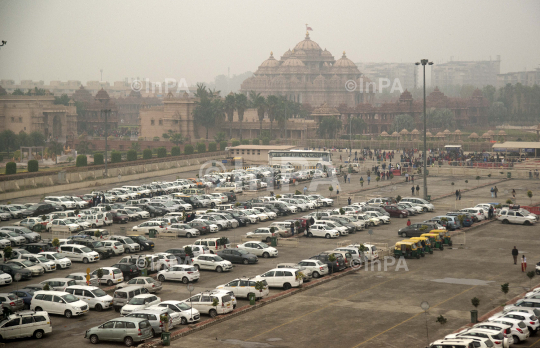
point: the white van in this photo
(58, 302)
(58, 284)
(26, 324)
(213, 243)
(94, 296)
(370, 251)
(203, 302)
(76, 252)
(111, 275)
(281, 226)
(285, 278)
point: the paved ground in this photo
(368, 308)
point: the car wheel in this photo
(94, 226)
(327, 236)
(425, 209)
(401, 215)
(516, 339)
(213, 313)
(505, 221)
(316, 275)
(94, 339)
(286, 286)
(38, 309)
(245, 261)
(188, 235)
(267, 239)
(127, 251)
(404, 234)
(161, 278)
(68, 314)
(527, 223)
(198, 268)
(109, 282)
(98, 307)
(85, 260)
(128, 341)
(219, 269)
(183, 321)
(310, 235)
(266, 255)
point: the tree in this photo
(497, 113)
(55, 148)
(147, 154)
(35, 91)
(8, 251)
(475, 302)
(36, 138)
(56, 243)
(530, 195)
(132, 155)
(241, 103)
(328, 127)
(489, 93)
(229, 105)
(258, 102)
(177, 138)
(403, 121)
(440, 118)
(531, 275)
(357, 125)
(135, 146)
(8, 141)
(18, 91)
(272, 103)
(83, 147)
(175, 151)
(219, 137)
(33, 166)
(62, 100)
(24, 139)
(99, 274)
(81, 161)
(441, 320)
(505, 288)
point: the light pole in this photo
(103, 97)
(425, 62)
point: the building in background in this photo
(310, 75)
(475, 73)
(406, 73)
(38, 113)
(526, 78)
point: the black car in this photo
(12, 269)
(231, 196)
(416, 230)
(194, 201)
(154, 211)
(38, 209)
(104, 252)
(145, 243)
(242, 220)
(279, 207)
(36, 248)
(201, 226)
(245, 205)
(128, 270)
(238, 256)
(180, 254)
(333, 266)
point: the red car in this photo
(395, 211)
(301, 220)
(119, 218)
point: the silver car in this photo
(185, 230)
(153, 316)
(13, 237)
(29, 235)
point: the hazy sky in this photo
(197, 40)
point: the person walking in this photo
(408, 222)
(418, 190)
(305, 190)
(368, 179)
(337, 189)
(412, 190)
(523, 264)
(349, 177)
(514, 194)
(515, 255)
(492, 192)
(292, 229)
(490, 212)
(361, 181)
(495, 190)
(457, 194)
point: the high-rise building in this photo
(475, 73)
(526, 78)
(406, 73)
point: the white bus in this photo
(304, 158)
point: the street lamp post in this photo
(425, 62)
(103, 97)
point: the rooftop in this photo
(264, 147)
(518, 145)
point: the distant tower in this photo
(101, 71)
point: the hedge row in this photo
(33, 166)
(11, 168)
(81, 161)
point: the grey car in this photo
(123, 329)
(31, 237)
(13, 237)
(153, 316)
(14, 212)
(11, 302)
(185, 230)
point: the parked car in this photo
(243, 287)
(10, 302)
(149, 283)
(58, 302)
(79, 253)
(183, 273)
(58, 284)
(212, 262)
(515, 217)
(80, 279)
(92, 295)
(111, 275)
(25, 324)
(128, 330)
(285, 278)
(333, 266)
(204, 301)
(186, 312)
(259, 249)
(140, 302)
(238, 256)
(13, 269)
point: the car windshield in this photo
(86, 249)
(128, 241)
(64, 199)
(26, 263)
(69, 298)
(217, 258)
(13, 234)
(34, 207)
(99, 293)
(264, 245)
(136, 301)
(42, 259)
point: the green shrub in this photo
(116, 157)
(212, 147)
(201, 147)
(161, 152)
(98, 158)
(81, 161)
(235, 142)
(256, 141)
(132, 155)
(1, 158)
(11, 168)
(266, 141)
(33, 166)
(245, 141)
(188, 149)
(222, 145)
(175, 151)
(147, 154)
(156, 138)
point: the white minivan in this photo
(58, 302)
(76, 252)
(94, 296)
(285, 278)
(26, 324)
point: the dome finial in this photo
(343, 53)
(271, 53)
(307, 34)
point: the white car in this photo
(48, 265)
(285, 278)
(317, 267)
(263, 233)
(187, 313)
(76, 252)
(111, 275)
(145, 227)
(140, 302)
(183, 273)
(266, 211)
(166, 259)
(80, 279)
(320, 230)
(518, 330)
(5, 279)
(212, 262)
(59, 259)
(63, 225)
(115, 246)
(204, 303)
(243, 287)
(221, 197)
(65, 202)
(260, 215)
(494, 335)
(515, 217)
(94, 296)
(58, 302)
(478, 212)
(385, 219)
(426, 206)
(34, 324)
(333, 225)
(198, 249)
(259, 249)
(505, 329)
(326, 202)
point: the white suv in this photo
(204, 303)
(58, 302)
(76, 252)
(243, 287)
(65, 202)
(94, 296)
(285, 278)
(26, 324)
(515, 217)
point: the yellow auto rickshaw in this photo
(419, 246)
(437, 238)
(445, 236)
(406, 249)
(425, 242)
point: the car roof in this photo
(56, 279)
(84, 287)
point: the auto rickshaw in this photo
(445, 236)
(407, 249)
(419, 246)
(438, 240)
(426, 243)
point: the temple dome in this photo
(345, 62)
(271, 62)
(307, 45)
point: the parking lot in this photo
(365, 308)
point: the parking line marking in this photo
(417, 314)
(532, 345)
(316, 310)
